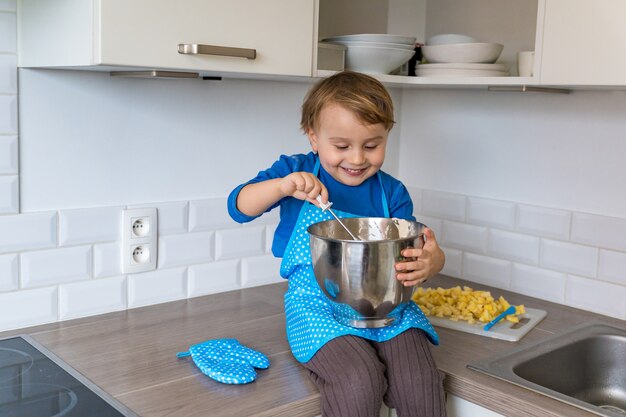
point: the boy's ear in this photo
(312, 139)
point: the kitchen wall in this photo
(522, 190)
(8, 112)
(91, 145)
(525, 191)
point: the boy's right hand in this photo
(304, 186)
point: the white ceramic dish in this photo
(447, 38)
(450, 70)
(462, 52)
(374, 59)
(460, 73)
(373, 37)
(461, 70)
(376, 44)
(489, 67)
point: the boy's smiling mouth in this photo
(354, 172)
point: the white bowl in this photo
(380, 60)
(373, 37)
(486, 53)
(376, 44)
(447, 38)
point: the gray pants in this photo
(354, 375)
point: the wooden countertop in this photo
(132, 356)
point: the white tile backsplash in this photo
(8, 113)
(486, 270)
(543, 221)
(8, 154)
(107, 259)
(454, 262)
(209, 214)
(156, 287)
(268, 218)
(568, 257)
(416, 197)
(503, 246)
(185, 249)
(269, 236)
(92, 297)
(539, 283)
(596, 296)
(513, 246)
(213, 278)
(464, 236)
(9, 194)
(28, 231)
(500, 214)
(28, 308)
(55, 266)
(602, 231)
(90, 225)
(444, 205)
(612, 267)
(173, 217)
(9, 273)
(436, 225)
(8, 74)
(260, 270)
(240, 242)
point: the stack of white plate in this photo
(461, 70)
(375, 53)
(460, 56)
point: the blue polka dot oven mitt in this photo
(227, 360)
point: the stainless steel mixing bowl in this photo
(359, 277)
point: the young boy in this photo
(347, 118)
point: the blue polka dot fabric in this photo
(227, 360)
(309, 312)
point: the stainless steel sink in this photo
(584, 366)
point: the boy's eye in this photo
(370, 147)
(341, 147)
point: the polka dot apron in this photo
(309, 312)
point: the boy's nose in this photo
(357, 157)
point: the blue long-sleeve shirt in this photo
(363, 200)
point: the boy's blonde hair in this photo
(359, 93)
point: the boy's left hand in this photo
(426, 262)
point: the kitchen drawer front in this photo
(140, 34)
(147, 33)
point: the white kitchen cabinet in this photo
(584, 43)
(276, 35)
(514, 23)
(458, 407)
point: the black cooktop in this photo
(36, 383)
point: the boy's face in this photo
(349, 150)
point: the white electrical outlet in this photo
(139, 240)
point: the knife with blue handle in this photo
(500, 316)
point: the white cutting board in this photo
(504, 329)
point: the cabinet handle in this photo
(199, 49)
